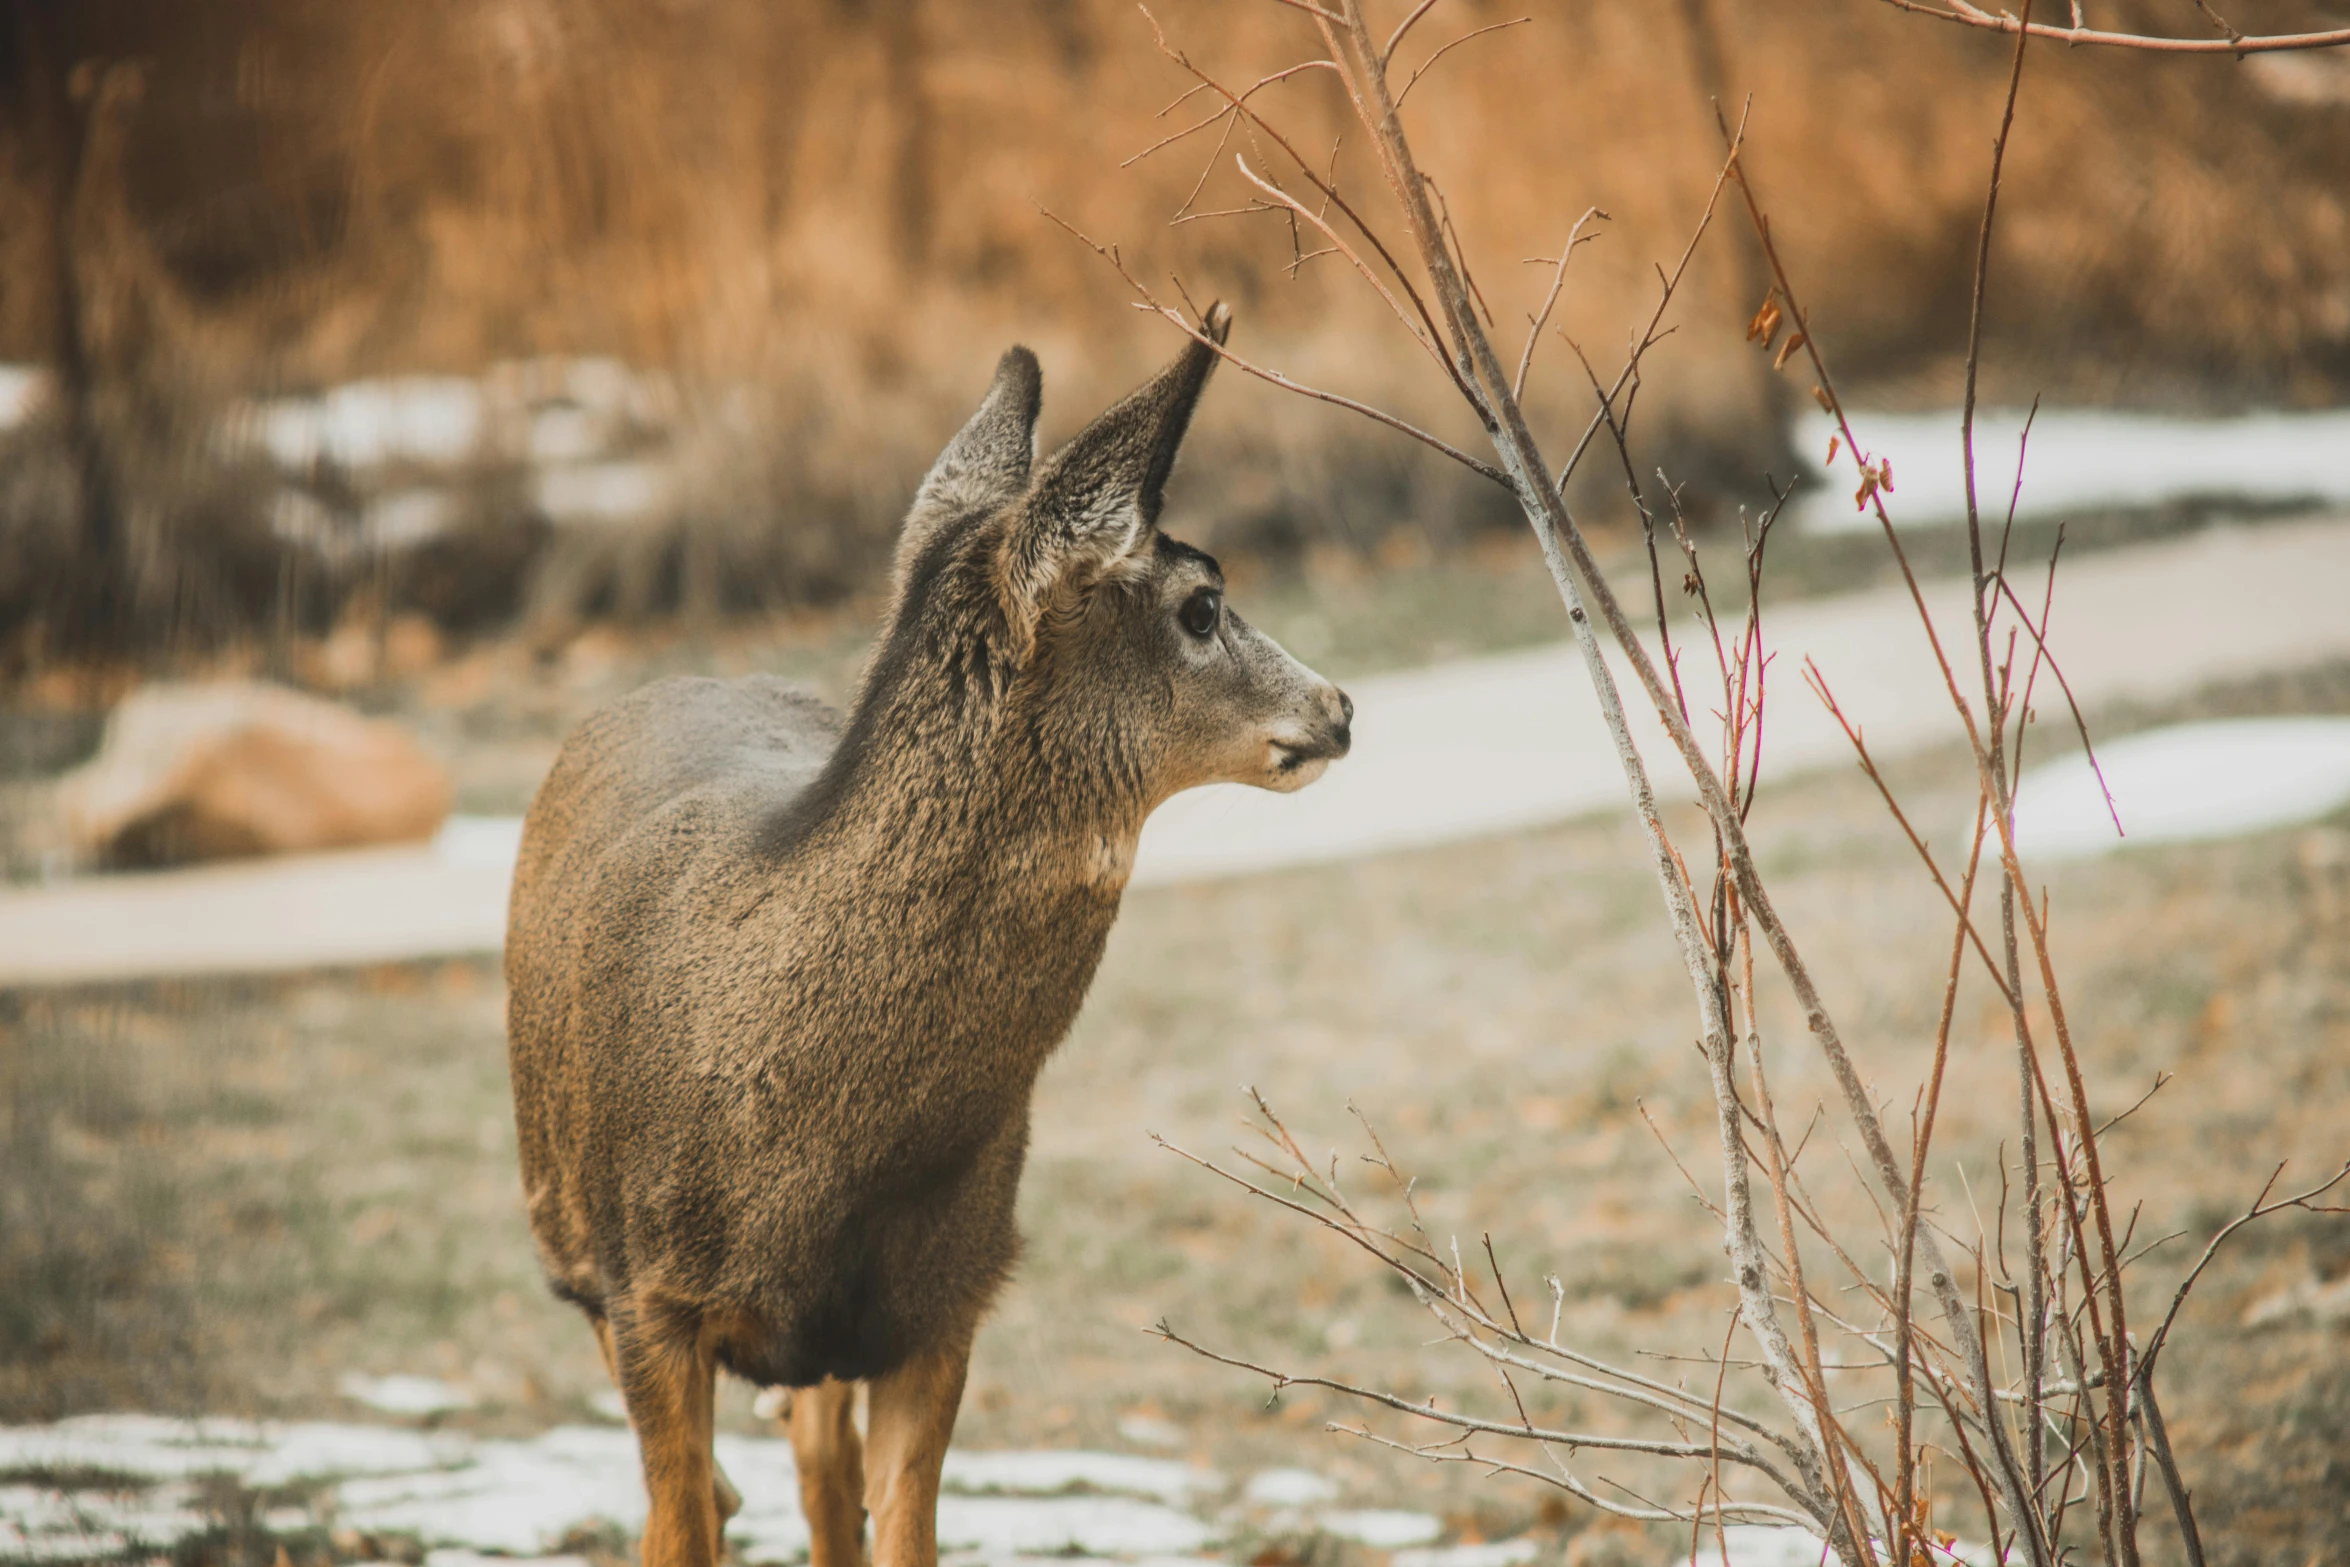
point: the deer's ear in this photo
(1098, 498)
(986, 465)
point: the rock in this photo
(226, 769)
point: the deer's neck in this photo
(989, 811)
(993, 900)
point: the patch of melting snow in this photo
(1150, 1431)
(458, 1556)
(48, 1525)
(1775, 1545)
(1768, 1545)
(1044, 1474)
(2187, 783)
(400, 1394)
(1385, 1529)
(1068, 1526)
(462, 1497)
(515, 1498)
(364, 424)
(952, 1557)
(155, 1448)
(2079, 459)
(1493, 1553)
(1289, 1488)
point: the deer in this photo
(780, 980)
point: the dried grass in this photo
(828, 216)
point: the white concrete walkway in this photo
(1502, 743)
(2081, 460)
(1485, 746)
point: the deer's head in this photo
(1100, 644)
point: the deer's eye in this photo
(1200, 612)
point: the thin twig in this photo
(1491, 27)
(1558, 281)
(1969, 16)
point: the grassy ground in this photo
(224, 1196)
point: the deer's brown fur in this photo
(781, 983)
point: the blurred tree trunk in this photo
(56, 101)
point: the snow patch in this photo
(1382, 1528)
(1289, 1488)
(46, 1525)
(2186, 783)
(458, 1556)
(404, 1395)
(1150, 1431)
(1765, 1545)
(1047, 1474)
(1068, 1526)
(1493, 1553)
(462, 1497)
(2079, 459)
(365, 424)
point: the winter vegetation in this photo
(294, 264)
(1930, 1184)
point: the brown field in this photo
(221, 1196)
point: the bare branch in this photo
(1151, 302)
(1394, 39)
(1969, 16)
(1413, 80)
(1229, 113)
(2261, 1208)
(1564, 1479)
(1570, 1440)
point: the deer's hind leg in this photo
(831, 1461)
(911, 1418)
(729, 1500)
(668, 1375)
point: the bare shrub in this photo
(2057, 1429)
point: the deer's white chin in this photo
(1288, 769)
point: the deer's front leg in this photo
(908, 1422)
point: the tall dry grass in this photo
(822, 219)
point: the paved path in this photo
(1442, 754)
(1501, 743)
